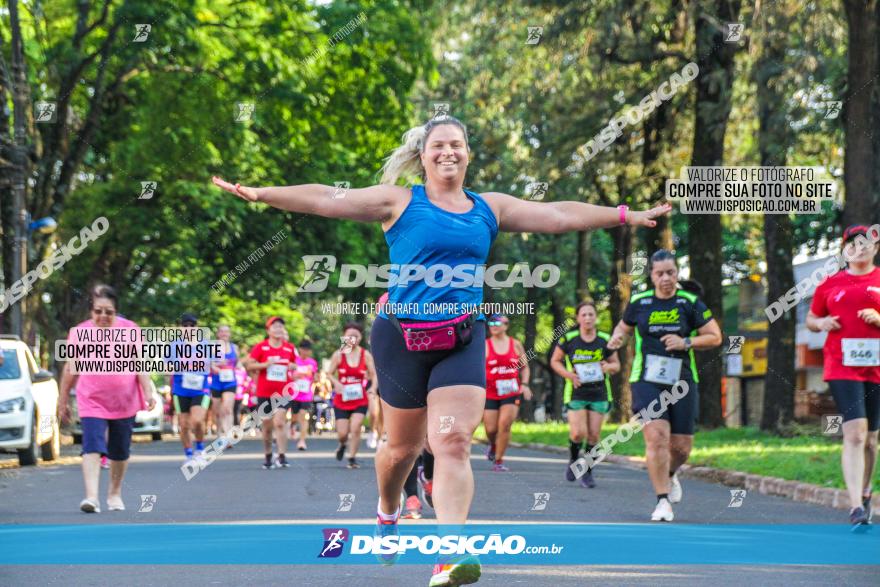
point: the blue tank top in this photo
(230, 359)
(452, 247)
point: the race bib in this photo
(227, 375)
(304, 369)
(276, 373)
(301, 386)
(352, 391)
(506, 386)
(664, 370)
(861, 352)
(589, 372)
(193, 381)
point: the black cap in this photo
(188, 317)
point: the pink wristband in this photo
(623, 208)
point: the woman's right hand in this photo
(243, 192)
(575, 380)
(63, 412)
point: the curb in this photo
(794, 490)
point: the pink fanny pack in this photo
(436, 336)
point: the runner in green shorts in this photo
(586, 369)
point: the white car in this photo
(145, 422)
(28, 405)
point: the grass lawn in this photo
(808, 457)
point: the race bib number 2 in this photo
(861, 352)
(664, 370)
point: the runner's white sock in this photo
(387, 517)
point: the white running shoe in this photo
(371, 441)
(89, 506)
(663, 512)
(674, 489)
(115, 505)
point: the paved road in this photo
(235, 489)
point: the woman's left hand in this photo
(646, 217)
(151, 403)
(673, 342)
(526, 391)
(871, 316)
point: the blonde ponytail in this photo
(404, 161)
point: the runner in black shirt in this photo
(586, 369)
(669, 324)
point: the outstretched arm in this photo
(515, 215)
(370, 204)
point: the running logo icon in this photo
(639, 262)
(348, 344)
(737, 496)
(45, 111)
(147, 504)
(46, 423)
(441, 111)
(541, 501)
(735, 344)
(734, 32)
(832, 109)
(535, 33)
(831, 423)
(537, 190)
(141, 32)
(341, 189)
(148, 189)
(244, 111)
(317, 274)
(446, 423)
(346, 500)
(334, 540)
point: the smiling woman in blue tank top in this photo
(435, 225)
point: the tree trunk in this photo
(582, 289)
(875, 120)
(859, 159)
(621, 288)
(659, 237)
(531, 330)
(19, 165)
(714, 90)
(774, 139)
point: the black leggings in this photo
(411, 485)
(857, 399)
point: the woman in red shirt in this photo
(847, 307)
(353, 374)
(507, 378)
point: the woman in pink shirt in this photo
(107, 404)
